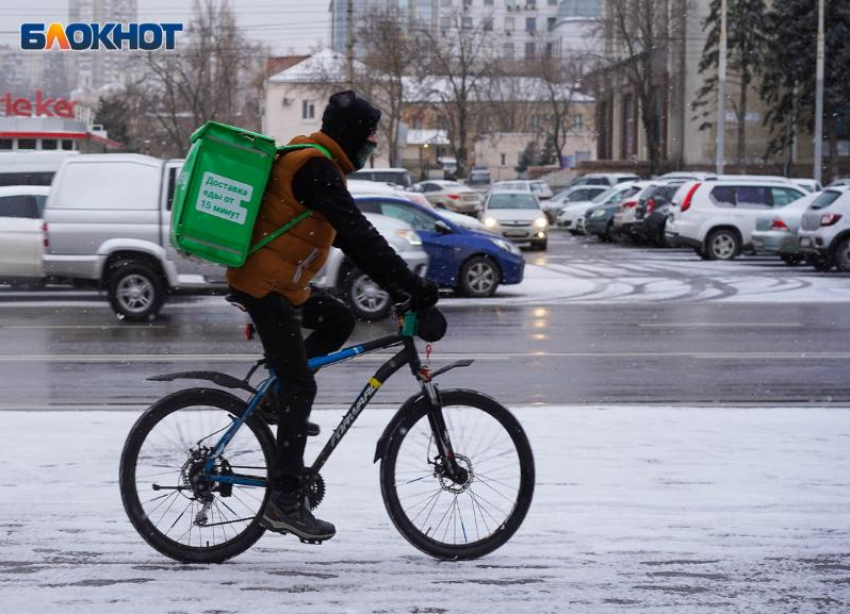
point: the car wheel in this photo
(842, 255)
(608, 235)
(479, 277)
(723, 244)
(791, 259)
(136, 291)
(368, 301)
(541, 245)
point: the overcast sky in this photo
(289, 26)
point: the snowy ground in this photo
(637, 509)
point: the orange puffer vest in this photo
(289, 263)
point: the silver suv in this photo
(825, 230)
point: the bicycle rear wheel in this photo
(465, 520)
(174, 509)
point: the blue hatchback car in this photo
(472, 262)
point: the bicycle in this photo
(457, 471)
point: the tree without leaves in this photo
(458, 60)
(639, 36)
(204, 79)
(560, 81)
(746, 44)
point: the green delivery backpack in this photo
(219, 191)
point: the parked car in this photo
(396, 176)
(776, 233)
(479, 175)
(605, 179)
(625, 217)
(809, 185)
(450, 195)
(473, 263)
(107, 222)
(717, 218)
(651, 213)
(22, 231)
(516, 216)
(572, 216)
(360, 186)
(561, 199)
(539, 188)
(31, 167)
(682, 176)
(599, 220)
(825, 229)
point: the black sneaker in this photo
(290, 513)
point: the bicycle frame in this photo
(408, 355)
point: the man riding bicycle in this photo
(274, 285)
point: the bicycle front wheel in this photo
(473, 517)
(167, 499)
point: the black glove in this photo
(425, 293)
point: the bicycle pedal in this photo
(312, 542)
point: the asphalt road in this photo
(62, 350)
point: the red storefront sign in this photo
(45, 107)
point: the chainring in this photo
(314, 486)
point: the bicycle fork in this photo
(453, 471)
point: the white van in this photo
(31, 167)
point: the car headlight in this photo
(507, 246)
(410, 235)
(600, 213)
(541, 222)
(490, 222)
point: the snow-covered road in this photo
(637, 509)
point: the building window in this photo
(5, 143)
(530, 24)
(67, 144)
(308, 109)
(509, 24)
(550, 50)
(466, 24)
(445, 23)
(508, 51)
(504, 158)
(488, 2)
(530, 50)
(578, 122)
(552, 2)
(532, 4)
(488, 24)
(49, 144)
(26, 143)
(550, 23)
(467, 4)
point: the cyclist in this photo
(274, 285)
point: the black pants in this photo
(279, 325)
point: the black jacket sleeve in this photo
(318, 186)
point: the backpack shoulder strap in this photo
(324, 150)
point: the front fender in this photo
(381, 447)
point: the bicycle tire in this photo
(186, 400)
(403, 428)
